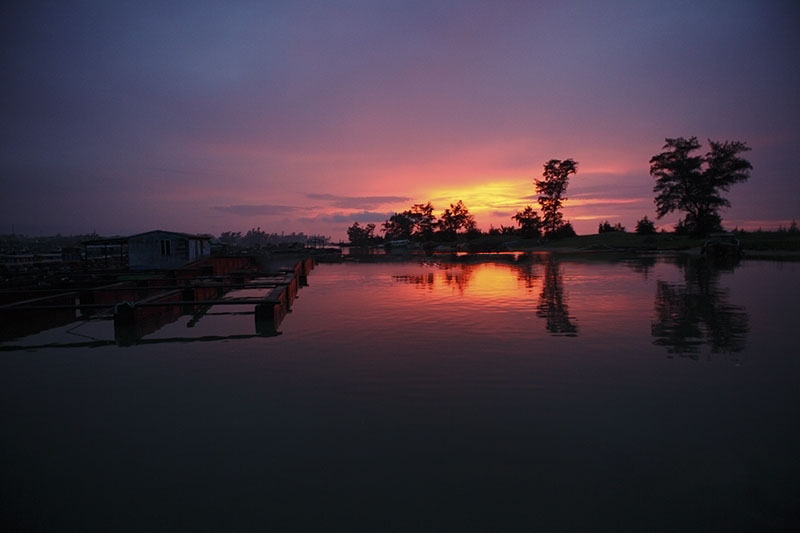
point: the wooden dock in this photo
(143, 305)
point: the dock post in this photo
(125, 324)
(124, 313)
(307, 265)
(271, 312)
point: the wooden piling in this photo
(271, 311)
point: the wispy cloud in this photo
(262, 209)
(357, 202)
(357, 216)
(595, 202)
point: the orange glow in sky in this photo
(297, 117)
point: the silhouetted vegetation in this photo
(503, 230)
(420, 224)
(417, 222)
(686, 182)
(606, 227)
(530, 226)
(551, 191)
(564, 231)
(257, 238)
(361, 235)
(399, 226)
(694, 184)
(791, 229)
(645, 226)
(424, 220)
(456, 219)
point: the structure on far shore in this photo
(166, 249)
(152, 250)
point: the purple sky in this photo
(122, 117)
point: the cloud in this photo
(577, 201)
(251, 210)
(358, 216)
(357, 202)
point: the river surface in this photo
(517, 393)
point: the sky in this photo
(204, 117)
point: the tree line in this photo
(419, 223)
(258, 238)
(685, 182)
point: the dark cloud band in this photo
(250, 210)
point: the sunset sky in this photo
(122, 117)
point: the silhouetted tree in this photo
(694, 184)
(424, 220)
(255, 237)
(399, 226)
(456, 218)
(361, 235)
(566, 230)
(418, 222)
(606, 227)
(645, 226)
(230, 237)
(507, 230)
(529, 223)
(551, 190)
(473, 232)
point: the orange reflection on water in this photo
(561, 297)
(487, 281)
(487, 293)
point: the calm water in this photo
(527, 393)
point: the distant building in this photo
(166, 249)
(152, 250)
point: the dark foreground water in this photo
(535, 394)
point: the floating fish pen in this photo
(143, 302)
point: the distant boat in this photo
(399, 243)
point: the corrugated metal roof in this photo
(123, 240)
(187, 235)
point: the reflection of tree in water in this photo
(525, 274)
(457, 276)
(697, 312)
(642, 264)
(419, 280)
(552, 303)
